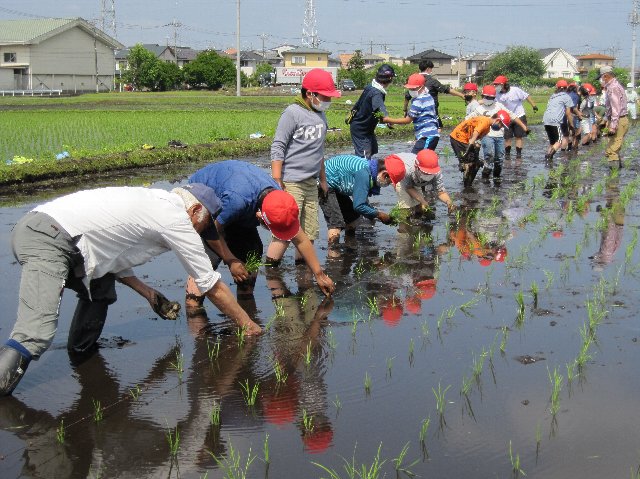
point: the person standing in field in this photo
(89, 240)
(557, 113)
(464, 137)
(513, 98)
(297, 152)
(470, 92)
(422, 113)
(615, 105)
(370, 110)
(493, 143)
(632, 100)
(433, 87)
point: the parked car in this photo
(348, 85)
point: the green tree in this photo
(356, 70)
(522, 65)
(166, 75)
(261, 68)
(141, 64)
(210, 69)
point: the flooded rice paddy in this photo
(499, 342)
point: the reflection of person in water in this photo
(611, 236)
(120, 433)
(297, 330)
(479, 237)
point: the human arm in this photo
(456, 93)
(276, 172)
(533, 105)
(220, 295)
(397, 121)
(281, 139)
(569, 116)
(159, 303)
(324, 186)
(308, 253)
(360, 194)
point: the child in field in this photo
(422, 171)
(352, 180)
(422, 113)
(467, 133)
(558, 110)
(297, 152)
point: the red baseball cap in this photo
(395, 168)
(320, 81)
(500, 80)
(470, 87)
(413, 305)
(504, 117)
(562, 84)
(484, 261)
(392, 313)
(415, 81)
(427, 162)
(280, 214)
(489, 90)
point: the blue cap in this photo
(206, 196)
(385, 72)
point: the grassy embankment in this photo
(105, 132)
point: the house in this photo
(298, 61)
(593, 60)
(443, 65)
(67, 54)
(162, 52)
(558, 63)
(476, 66)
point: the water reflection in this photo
(612, 227)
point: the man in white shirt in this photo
(86, 241)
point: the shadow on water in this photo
(498, 339)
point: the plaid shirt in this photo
(615, 102)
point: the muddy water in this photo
(433, 309)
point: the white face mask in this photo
(321, 105)
(488, 102)
(414, 93)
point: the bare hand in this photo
(163, 307)
(251, 329)
(238, 271)
(385, 218)
(325, 283)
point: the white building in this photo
(558, 63)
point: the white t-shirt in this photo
(513, 100)
(490, 110)
(123, 227)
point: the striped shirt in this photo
(350, 175)
(424, 116)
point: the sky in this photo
(397, 27)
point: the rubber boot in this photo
(13, 365)
(507, 153)
(486, 172)
(86, 325)
(497, 171)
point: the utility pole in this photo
(264, 36)
(459, 57)
(175, 24)
(370, 47)
(238, 48)
(634, 20)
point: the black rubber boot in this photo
(86, 325)
(497, 171)
(12, 367)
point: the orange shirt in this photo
(464, 131)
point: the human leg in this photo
(615, 141)
(488, 151)
(333, 216)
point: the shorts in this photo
(554, 133)
(306, 195)
(338, 210)
(585, 126)
(426, 142)
(241, 241)
(459, 148)
(516, 130)
(366, 146)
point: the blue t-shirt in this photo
(425, 118)
(238, 185)
(351, 176)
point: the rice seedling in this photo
(399, 215)
(424, 428)
(390, 365)
(372, 304)
(635, 473)
(521, 309)
(467, 383)
(628, 255)
(399, 460)
(253, 262)
(233, 466)
(60, 432)
(331, 340)
(367, 383)
(363, 471)
(411, 349)
(213, 350)
(173, 438)
(250, 393)
(307, 354)
(556, 386)
(134, 392)
(98, 410)
(303, 300)
(337, 403)
(503, 340)
(465, 307)
(359, 269)
(538, 437)
(178, 364)
(478, 364)
(424, 328)
(549, 278)
(279, 309)
(281, 374)
(214, 413)
(571, 373)
(307, 421)
(265, 449)
(241, 334)
(440, 396)
(515, 463)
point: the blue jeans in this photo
(493, 148)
